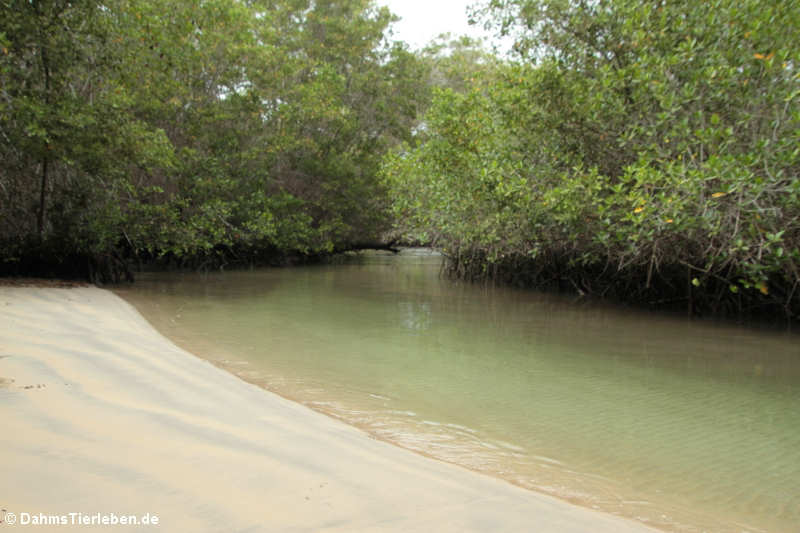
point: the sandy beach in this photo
(102, 415)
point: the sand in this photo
(101, 414)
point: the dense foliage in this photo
(645, 150)
(195, 130)
(642, 150)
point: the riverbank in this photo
(101, 414)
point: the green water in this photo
(687, 426)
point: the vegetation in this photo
(195, 131)
(645, 151)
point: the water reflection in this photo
(417, 315)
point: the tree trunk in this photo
(41, 214)
(42, 199)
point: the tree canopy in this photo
(642, 150)
(196, 129)
(647, 150)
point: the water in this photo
(687, 426)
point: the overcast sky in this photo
(422, 20)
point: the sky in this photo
(422, 20)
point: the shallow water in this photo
(684, 425)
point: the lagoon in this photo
(683, 425)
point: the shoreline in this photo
(105, 415)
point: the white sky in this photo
(422, 20)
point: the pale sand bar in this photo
(107, 416)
